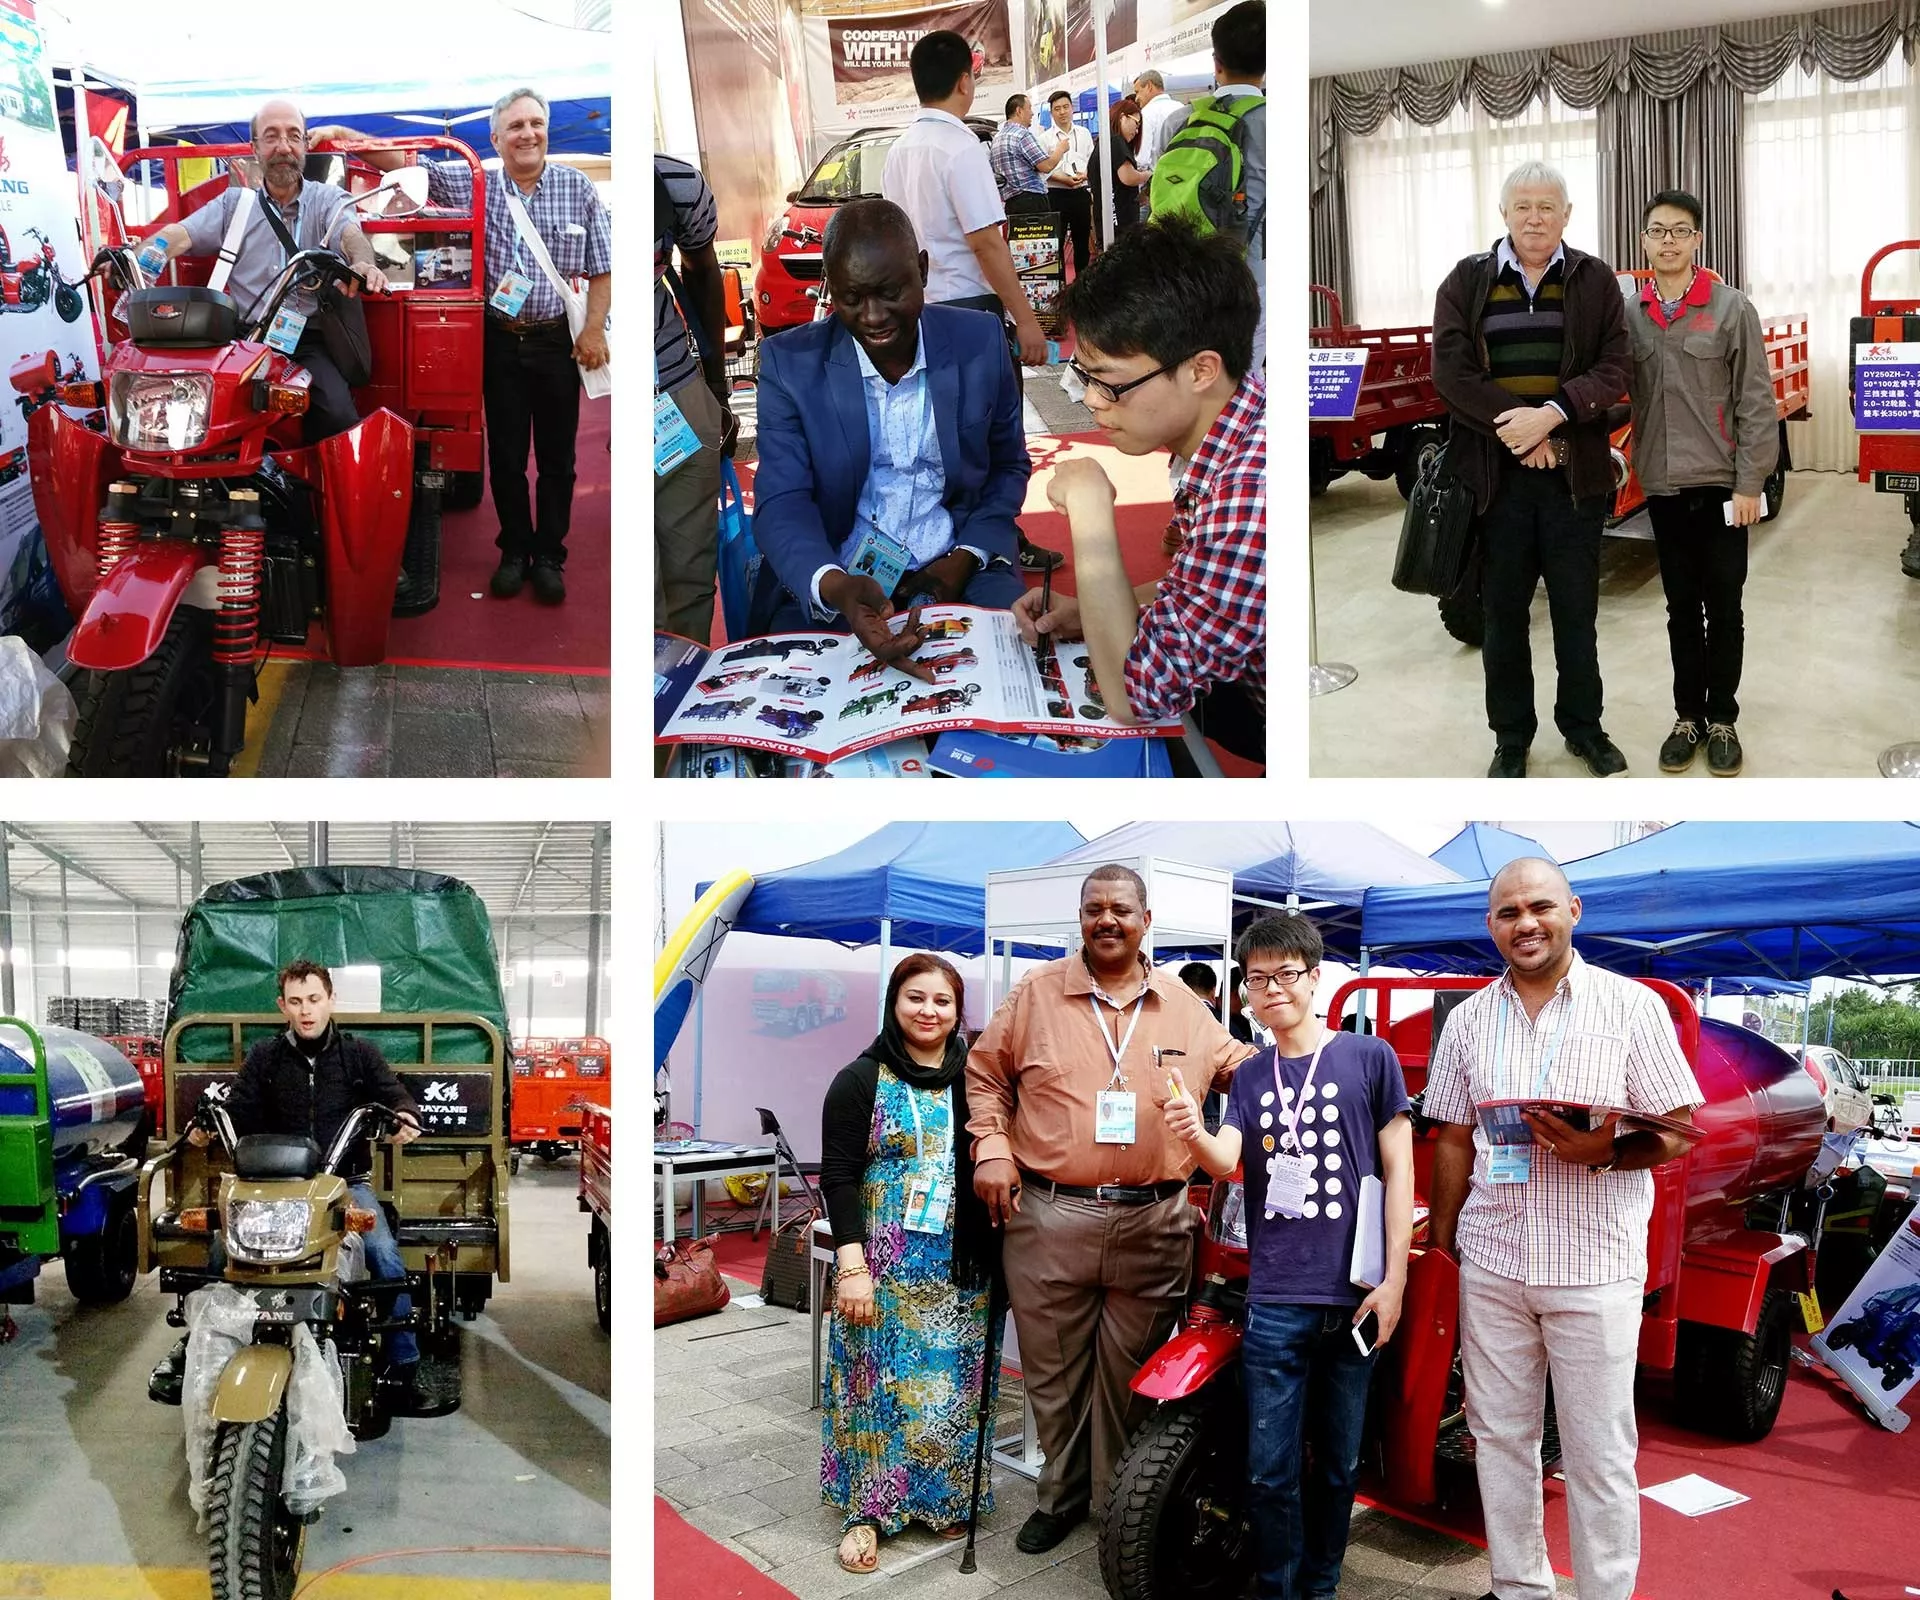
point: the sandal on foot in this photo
(865, 1543)
(957, 1531)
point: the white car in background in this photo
(1843, 1085)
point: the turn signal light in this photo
(86, 394)
(199, 1219)
(284, 397)
(359, 1220)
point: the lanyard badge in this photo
(1287, 1171)
(1115, 1120)
(1513, 1163)
(511, 293)
(930, 1188)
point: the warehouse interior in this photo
(507, 1497)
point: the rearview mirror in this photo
(400, 193)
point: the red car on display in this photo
(790, 272)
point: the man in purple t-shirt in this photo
(1319, 1114)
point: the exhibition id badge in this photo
(929, 1203)
(673, 436)
(283, 333)
(882, 559)
(1115, 1119)
(510, 294)
(1287, 1178)
(1510, 1163)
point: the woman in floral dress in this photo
(915, 1256)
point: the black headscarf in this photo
(976, 1242)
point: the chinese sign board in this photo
(1886, 388)
(1333, 384)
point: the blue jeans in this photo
(1306, 1384)
(383, 1261)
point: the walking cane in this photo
(987, 1373)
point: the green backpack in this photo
(1198, 175)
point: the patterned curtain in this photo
(1670, 100)
(1332, 261)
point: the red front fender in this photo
(1417, 1363)
(70, 466)
(365, 482)
(1188, 1361)
(128, 615)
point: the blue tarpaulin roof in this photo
(1329, 866)
(1479, 850)
(1788, 900)
(928, 877)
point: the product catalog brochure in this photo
(823, 696)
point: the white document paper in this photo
(1693, 1495)
(1369, 1265)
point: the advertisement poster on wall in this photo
(870, 54)
(42, 310)
(1123, 27)
(1873, 1341)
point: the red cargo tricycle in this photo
(189, 526)
(1724, 1263)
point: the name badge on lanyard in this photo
(511, 294)
(283, 333)
(673, 436)
(1513, 1163)
(1287, 1172)
(930, 1188)
(1114, 1115)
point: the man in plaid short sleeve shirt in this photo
(1164, 326)
(1553, 1247)
(1020, 161)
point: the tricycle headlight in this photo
(159, 411)
(268, 1230)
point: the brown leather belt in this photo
(1113, 1194)
(508, 325)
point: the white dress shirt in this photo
(1154, 117)
(1075, 162)
(938, 173)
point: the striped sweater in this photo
(1524, 335)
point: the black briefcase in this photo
(1437, 532)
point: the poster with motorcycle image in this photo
(43, 325)
(1873, 1341)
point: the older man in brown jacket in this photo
(1067, 1090)
(1706, 438)
(1529, 352)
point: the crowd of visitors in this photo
(1047, 1169)
(891, 435)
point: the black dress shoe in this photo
(549, 588)
(1509, 761)
(1600, 753)
(508, 577)
(1724, 756)
(1680, 746)
(1043, 1530)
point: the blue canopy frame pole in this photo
(886, 949)
(699, 1051)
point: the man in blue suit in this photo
(890, 440)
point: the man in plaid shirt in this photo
(1551, 1236)
(1021, 161)
(1164, 326)
(531, 380)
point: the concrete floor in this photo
(93, 1475)
(1833, 633)
(316, 720)
(737, 1453)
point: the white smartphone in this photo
(1726, 511)
(1365, 1332)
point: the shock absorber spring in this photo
(243, 559)
(118, 531)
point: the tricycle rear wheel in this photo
(254, 1543)
(1731, 1383)
(139, 723)
(101, 1270)
(1176, 1520)
(463, 491)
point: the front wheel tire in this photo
(1176, 1521)
(138, 723)
(254, 1543)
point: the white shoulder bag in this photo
(597, 381)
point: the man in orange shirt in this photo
(1067, 1088)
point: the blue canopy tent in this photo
(917, 885)
(1323, 869)
(1479, 850)
(1783, 900)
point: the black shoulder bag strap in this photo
(340, 321)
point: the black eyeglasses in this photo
(1258, 982)
(1114, 391)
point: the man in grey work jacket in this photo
(1705, 440)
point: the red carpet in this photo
(1141, 512)
(690, 1566)
(519, 635)
(1829, 1495)
(739, 1256)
